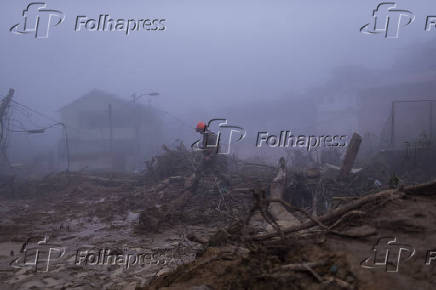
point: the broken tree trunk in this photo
(350, 156)
(283, 217)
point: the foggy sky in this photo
(213, 53)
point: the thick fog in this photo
(264, 65)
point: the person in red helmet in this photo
(211, 163)
(200, 126)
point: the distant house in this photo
(109, 133)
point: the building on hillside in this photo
(109, 133)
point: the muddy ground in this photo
(74, 218)
(78, 214)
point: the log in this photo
(350, 156)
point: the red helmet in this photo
(201, 126)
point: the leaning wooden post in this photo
(350, 156)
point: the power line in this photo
(36, 112)
(57, 122)
(27, 117)
(42, 130)
(174, 117)
(35, 131)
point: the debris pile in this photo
(305, 255)
(274, 227)
(288, 230)
(173, 162)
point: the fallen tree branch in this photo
(425, 189)
(324, 227)
(291, 208)
(335, 214)
(345, 216)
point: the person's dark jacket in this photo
(209, 143)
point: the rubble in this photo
(305, 257)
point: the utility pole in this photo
(431, 122)
(3, 110)
(136, 128)
(137, 120)
(67, 146)
(5, 103)
(393, 124)
(111, 136)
